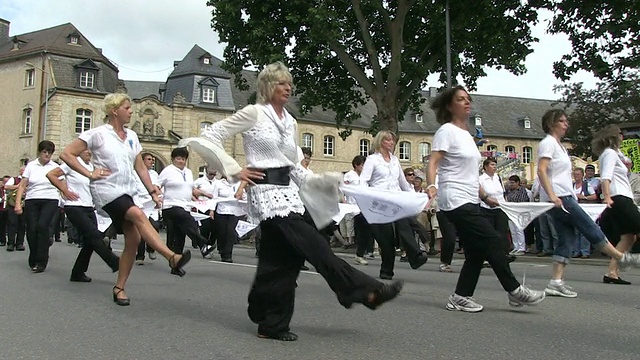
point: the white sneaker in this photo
(518, 253)
(463, 303)
(139, 262)
(152, 255)
(562, 290)
(361, 261)
(629, 260)
(525, 296)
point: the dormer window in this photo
(527, 123)
(73, 39)
(418, 118)
(87, 74)
(87, 79)
(206, 61)
(209, 91)
(478, 120)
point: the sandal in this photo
(117, 300)
(445, 268)
(385, 293)
(178, 265)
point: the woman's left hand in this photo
(608, 201)
(491, 201)
(156, 199)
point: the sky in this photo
(143, 40)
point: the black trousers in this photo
(225, 232)
(416, 227)
(448, 245)
(16, 227)
(285, 244)
(38, 214)
(481, 242)
(364, 239)
(384, 234)
(180, 223)
(57, 224)
(500, 223)
(207, 229)
(84, 219)
(142, 247)
(3, 226)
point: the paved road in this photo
(203, 316)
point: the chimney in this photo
(433, 91)
(4, 31)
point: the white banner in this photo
(380, 206)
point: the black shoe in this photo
(383, 294)
(419, 261)
(386, 276)
(179, 272)
(230, 260)
(206, 250)
(79, 278)
(609, 280)
(282, 336)
(38, 269)
(432, 252)
(511, 258)
(11, 247)
(404, 258)
(118, 301)
(304, 268)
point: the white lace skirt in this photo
(267, 201)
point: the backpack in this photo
(11, 194)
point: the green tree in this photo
(343, 53)
(615, 101)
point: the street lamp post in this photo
(46, 74)
(448, 43)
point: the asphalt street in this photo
(203, 315)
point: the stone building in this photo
(53, 82)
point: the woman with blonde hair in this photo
(621, 213)
(382, 170)
(113, 183)
(270, 136)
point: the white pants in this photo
(517, 236)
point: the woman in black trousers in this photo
(79, 209)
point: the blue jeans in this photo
(566, 224)
(548, 234)
(582, 246)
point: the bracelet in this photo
(432, 186)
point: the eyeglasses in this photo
(410, 174)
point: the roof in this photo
(53, 40)
(142, 89)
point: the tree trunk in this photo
(388, 114)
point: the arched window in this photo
(510, 149)
(492, 148)
(527, 155)
(404, 151)
(424, 149)
(83, 120)
(27, 121)
(364, 147)
(329, 145)
(203, 125)
(307, 141)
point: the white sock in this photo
(556, 282)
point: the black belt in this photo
(276, 176)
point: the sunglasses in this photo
(410, 174)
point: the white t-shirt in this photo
(207, 186)
(613, 169)
(378, 173)
(577, 190)
(351, 178)
(458, 170)
(559, 168)
(39, 186)
(227, 190)
(493, 187)
(111, 152)
(78, 184)
(178, 187)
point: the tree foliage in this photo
(344, 52)
(616, 101)
(605, 36)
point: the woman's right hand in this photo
(432, 192)
(71, 196)
(18, 209)
(99, 173)
(249, 174)
(556, 201)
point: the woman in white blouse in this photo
(455, 158)
(177, 182)
(79, 208)
(270, 137)
(227, 215)
(554, 171)
(117, 161)
(621, 212)
(40, 204)
(382, 170)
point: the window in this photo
(527, 155)
(405, 150)
(527, 124)
(418, 118)
(424, 149)
(87, 79)
(307, 141)
(208, 95)
(30, 78)
(364, 147)
(206, 61)
(329, 145)
(478, 120)
(203, 125)
(26, 121)
(509, 149)
(73, 40)
(83, 120)
(492, 148)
